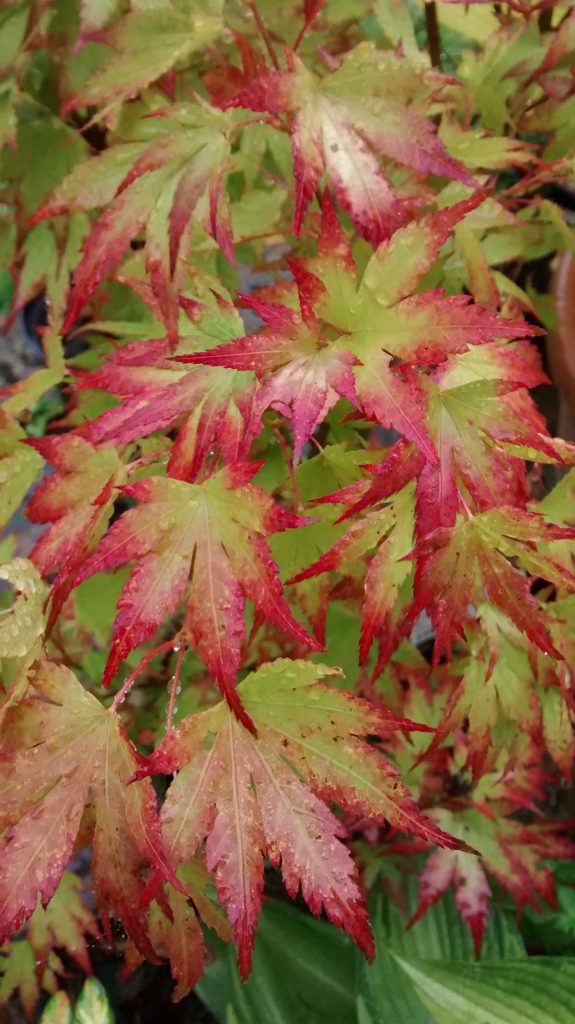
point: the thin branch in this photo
(433, 35)
(288, 461)
(180, 647)
(252, 4)
(122, 693)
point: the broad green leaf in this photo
(533, 991)
(93, 1006)
(385, 993)
(13, 23)
(303, 974)
(57, 1010)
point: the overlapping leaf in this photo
(66, 923)
(19, 467)
(385, 332)
(61, 748)
(168, 181)
(148, 43)
(251, 795)
(216, 405)
(214, 532)
(512, 853)
(346, 121)
(456, 566)
(77, 500)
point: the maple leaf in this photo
(18, 975)
(463, 871)
(455, 566)
(482, 421)
(513, 853)
(147, 43)
(64, 924)
(19, 467)
(156, 392)
(254, 795)
(177, 176)
(60, 747)
(78, 500)
(379, 323)
(215, 532)
(346, 121)
(175, 931)
(388, 588)
(491, 688)
(304, 376)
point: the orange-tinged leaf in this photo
(217, 405)
(64, 924)
(77, 500)
(60, 746)
(254, 795)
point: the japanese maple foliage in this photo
(293, 332)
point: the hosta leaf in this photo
(216, 532)
(385, 994)
(303, 971)
(57, 1010)
(535, 991)
(255, 793)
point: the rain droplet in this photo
(177, 646)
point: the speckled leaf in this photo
(24, 622)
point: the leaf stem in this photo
(129, 682)
(288, 461)
(252, 4)
(174, 686)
